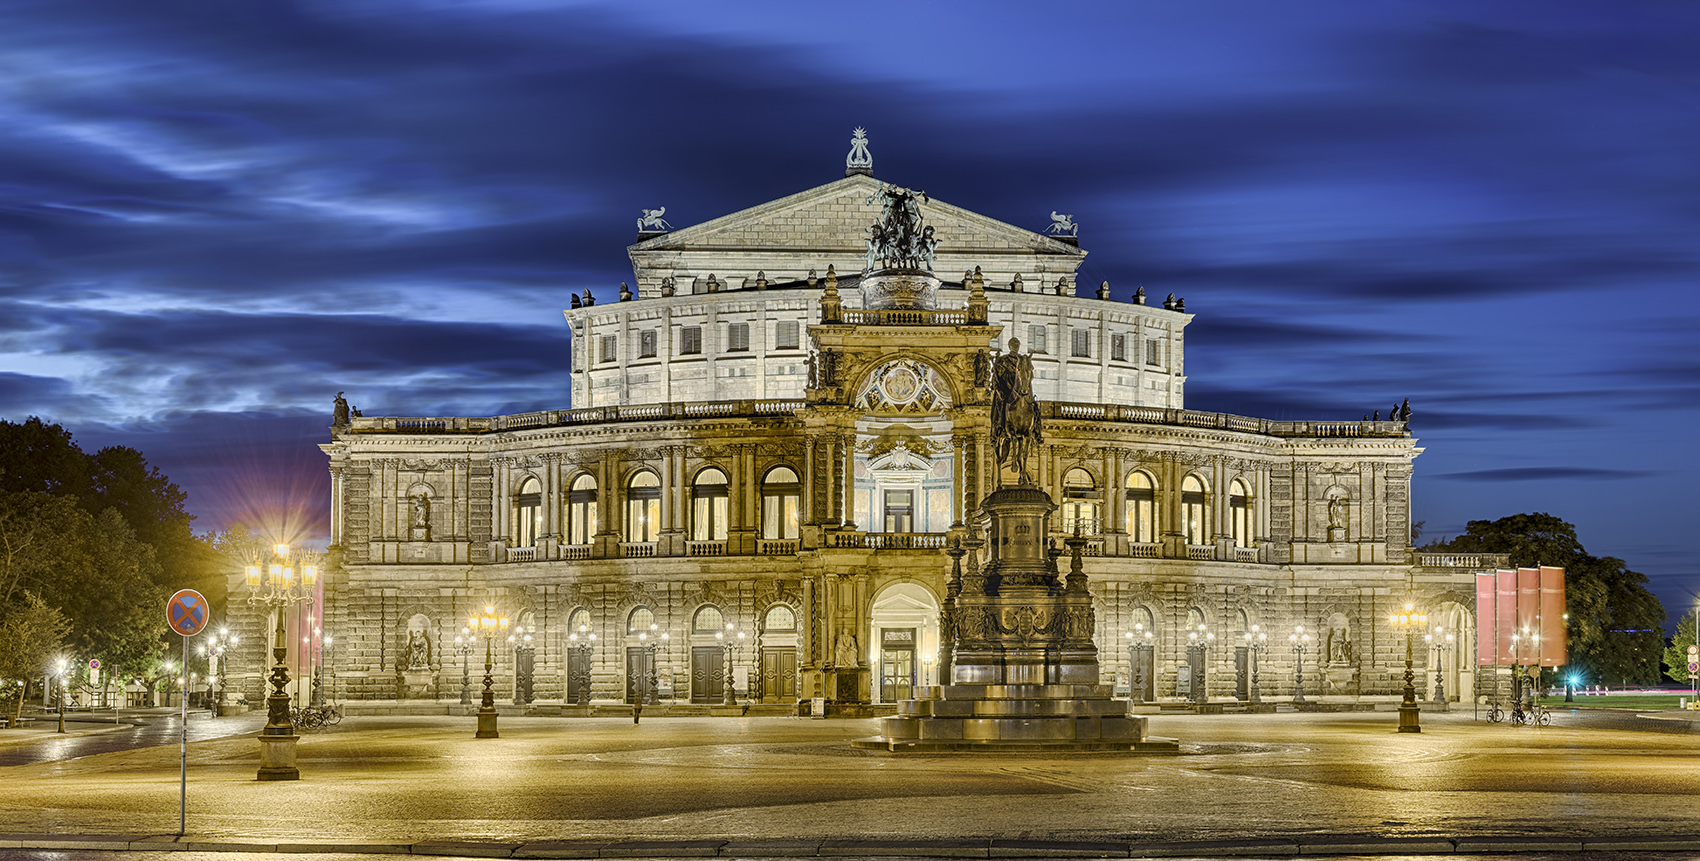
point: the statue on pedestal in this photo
(1015, 412)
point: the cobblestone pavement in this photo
(1286, 777)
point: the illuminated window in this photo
(708, 620)
(1080, 502)
(781, 504)
(639, 620)
(1195, 523)
(780, 618)
(528, 515)
(643, 507)
(708, 506)
(900, 511)
(1141, 508)
(581, 510)
(1239, 513)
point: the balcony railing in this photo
(1054, 410)
(887, 540)
(1201, 552)
(637, 549)
(766, 547)
(1245, 554)
(575, 551)
(896, 317)
(1473, 561)
(1145, 551)
(705, 548)
(522, 554)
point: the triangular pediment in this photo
(834, 218)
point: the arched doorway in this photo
(1451, 645)
(905, 641)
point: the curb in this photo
(1309, 845)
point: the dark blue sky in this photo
(215, 216)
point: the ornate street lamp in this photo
(1441, 642)
(1408, 619)
(582, 643)
(731, 640)
(1198, 642)
(1138, 644)
(463, 647)
(1300, 640)
(217, 660)
(489, 626)
(1255, 641)
(648, 641)
(275, 585)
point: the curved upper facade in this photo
(722, 309)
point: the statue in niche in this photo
(982, 368)
(418, 650)
(1015, 412)
(1339, 646)
(421, 511)
(814, 371)
(339, 411)
(845, 655)
(1337, 506)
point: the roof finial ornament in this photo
(652, 222)
(1062, 224)
(859, 160)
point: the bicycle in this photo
(1495, 714)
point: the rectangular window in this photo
(646, 344)
(610, 348)
(1154, 353)
(900, 511)
(690, 341)
(785, 336)
(1082, 346)
(1118, 347)
(1036, 338)
(738, 338)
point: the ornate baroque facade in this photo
(760, 454)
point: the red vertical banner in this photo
(1505, 616)
(1485, 619)
(1555, 639)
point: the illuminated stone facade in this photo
(752, 447)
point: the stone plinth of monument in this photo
(1023, 666)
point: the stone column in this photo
(848, 441)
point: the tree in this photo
(31, 634)
(1615, 622)
(1676, 657)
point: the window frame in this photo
(690, 340)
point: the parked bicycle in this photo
(315, 717)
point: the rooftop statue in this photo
(1015, 412)
(859, 160)
(899, 240)
(652, 222)
(1062, 224)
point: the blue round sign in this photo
(186, 612)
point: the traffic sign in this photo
(1693, 650)
(94, 663)
(186, 612)
(1694, 666)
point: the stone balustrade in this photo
(1473, 561)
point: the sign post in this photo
(186, 613)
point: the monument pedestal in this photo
(1024, 667)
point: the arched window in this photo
(1195, 511)
(708, 620)
(781, 504)
(1142, 620)
(528, 514)
(1194, 618)
(1141, 508)
(708, 506)
(1080, 502)
(1239, 514)
(643, 507)
(780, 618)
(1242, 624)
(581, 510)
(639, 620)
(578, 622)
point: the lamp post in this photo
(581, 644)
(1198, 645)
(463, 647)
(274, 585)
(1255, 640)
(1408, 619)
(489, 626)
(648, 641)
(731, 640)
(59, 686)
(1300, 640)
(217, 660)
(1441, 642)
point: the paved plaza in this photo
(776, 786)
